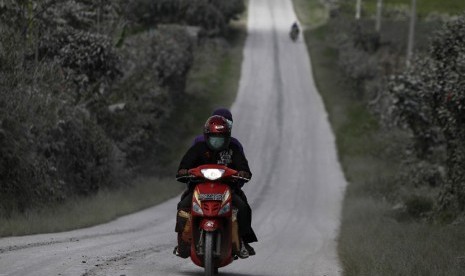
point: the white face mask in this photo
(216, 142)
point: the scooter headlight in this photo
(226, 208)
(196, 208)
(212, 174)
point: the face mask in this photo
(216, 142)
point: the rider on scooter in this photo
(217, 149)
(226, 113)
(294, 31)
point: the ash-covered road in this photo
(296, 191)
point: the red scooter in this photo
(211, 228)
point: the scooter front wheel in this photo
(208, 257)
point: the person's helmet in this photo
(225, 113)
(217, 133)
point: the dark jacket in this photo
(199, 154)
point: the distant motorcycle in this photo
(294, 33)
(211, 229)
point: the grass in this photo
(375, 237)
(374, 243)
(310, 13)
(213, 82)
(82, 212)
(424, 7)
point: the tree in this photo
(430, 97)
(212, 16)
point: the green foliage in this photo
(81, 153)
(51, 147)
(430, 97)
(230, 8)
(88, 61)
(49, 150)
(386, 227)
(372, 239)
(356, 130)
(40, 16)
(417, 205)
(313, 13)
(425, 8)
(98, 16)
(416, 115)
(133, 117)
(212, 16)
(425, 99)
(174, 57)
(361, 55)
(82, 53)
(84, 95)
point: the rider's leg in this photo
(183, 205)
(250, 236)
(244, 219)
(243, 215)
(183, 248)
(186, 200)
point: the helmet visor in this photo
(216, 142)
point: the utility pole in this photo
(411, 33)
(379, 8)
(98, 15)
(358, 9)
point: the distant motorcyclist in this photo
(217, 149)
(294, 33)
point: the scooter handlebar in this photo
(240, 178)
(185, 178)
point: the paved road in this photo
(295, 193)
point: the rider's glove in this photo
(180, 175)
(243, 174)
(182, 172)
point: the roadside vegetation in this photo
(98, 101)
(399, 133)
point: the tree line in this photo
(425, 101)
(85, 87)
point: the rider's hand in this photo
(182, 172)
(181, 175)
(243, 174)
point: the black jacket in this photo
(199, 154)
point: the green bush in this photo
(418, 205)
(430, 98)
(51, 148)
(212, 16)
(158, 63)
(81, 153)
(85, 88)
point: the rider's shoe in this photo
(177, 253)
(249, 249)
(243, 252)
